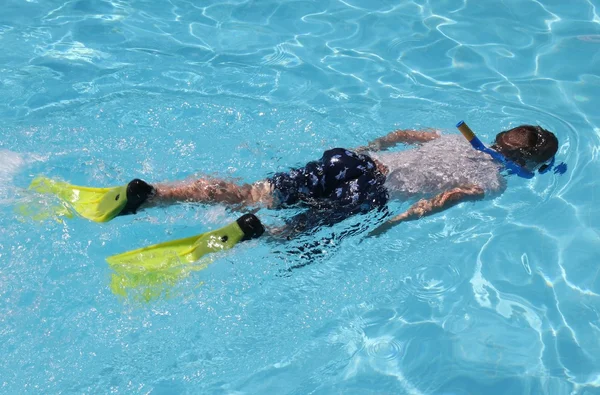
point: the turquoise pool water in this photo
(497, 297)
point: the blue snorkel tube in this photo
(511, 166)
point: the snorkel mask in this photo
(512, 167)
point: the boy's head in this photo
(528, 146)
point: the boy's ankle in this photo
(138, 192)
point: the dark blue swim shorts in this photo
(341, 182)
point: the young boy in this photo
(441, 171)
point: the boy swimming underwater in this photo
(441, 171)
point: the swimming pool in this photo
(501, 296)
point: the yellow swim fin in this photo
(156, 268)
(96, 204)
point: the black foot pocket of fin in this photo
(138, 191)
(251, 226)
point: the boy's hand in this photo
(387, 225)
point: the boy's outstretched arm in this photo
(406, 136)
(439, 203)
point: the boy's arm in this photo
(406, 136)
(439, 203)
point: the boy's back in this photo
(437, 166)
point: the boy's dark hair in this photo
(527, 143)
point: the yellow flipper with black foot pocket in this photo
(95, 204)
(153, 270)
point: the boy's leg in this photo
(213, 190)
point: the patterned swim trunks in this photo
(342, 182)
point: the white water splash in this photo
(10, 163)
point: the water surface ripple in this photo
(495, 297)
